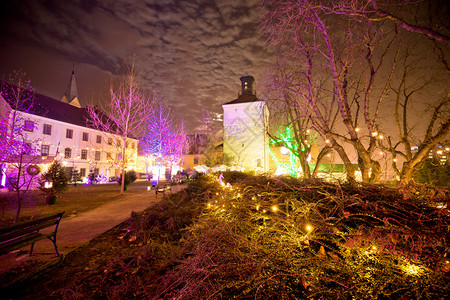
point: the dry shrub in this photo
(268, 238)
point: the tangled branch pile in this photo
(267, 238)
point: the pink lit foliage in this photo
(18, 152)
(123, 115)
(164, 138)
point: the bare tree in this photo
(408, 89)
(17, 152)
(124, 115)
(290, 127)
(343, 64)
(164, 137)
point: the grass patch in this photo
(74, 201)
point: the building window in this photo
(47, 129)
(195, 160)
(26, 148)
(97, 155)
(82, 172)
(108, 156)
(85, 136)
(99, 139)
(96, 171)
(67, 153)
(28, 126)
(132, 145)
(259, 163)
(45, 150)
(109, 141)
(84, 154)
(69, 133)
(119, 144)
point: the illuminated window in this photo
(69, 133)
(97, 155)
(84, 154)
(85, 136)
(45, 150)
(108, 156)
(47, 129)
(67, 153)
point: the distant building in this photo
(193, 156)
(58, 128)
(245, 123)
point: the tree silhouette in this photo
(124, 115)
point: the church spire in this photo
(71, 94)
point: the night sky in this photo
(191, 52)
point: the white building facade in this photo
(58, 129)
(245, 124)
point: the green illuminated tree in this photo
(54, 181)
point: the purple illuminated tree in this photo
(123, 115)
(18, 153)
(164, 138)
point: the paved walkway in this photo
(75, 231)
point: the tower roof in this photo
(247, 93)
(71, 94)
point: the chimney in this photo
(247, 85)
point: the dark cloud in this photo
(191, 52)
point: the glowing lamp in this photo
(309, 227)
(284, 150)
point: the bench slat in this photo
(27, 230)
(25, 241)
(16, 236)
(30, 222)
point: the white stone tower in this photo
(245, 122)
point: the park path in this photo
(75, 231)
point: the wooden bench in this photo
(163, 189)
(18, 235)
